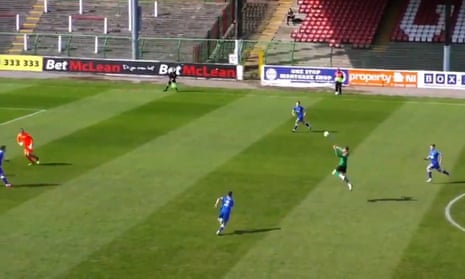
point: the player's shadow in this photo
(55, 164)
(400, 199)
(185, 90)
(456, 182)
(252, 231)
(26, 185)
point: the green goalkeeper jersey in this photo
(342, 158)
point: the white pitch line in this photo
(18, 108)
(449, 216)
(23, 117)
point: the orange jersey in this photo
(24, 139)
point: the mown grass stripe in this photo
(436, 248)
(29, 115)
(7, 115)
(85, 149)
(104, 203)
(333, 232)
(45, 96)
(179, 238)
(269, 178)
(19, 109)
(70, 117)
(6, 86)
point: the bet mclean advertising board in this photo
(136, 67)
(292, 76)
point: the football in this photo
(326, 133)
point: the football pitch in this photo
(129, 176)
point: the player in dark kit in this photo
(341, 170)
(171, 80)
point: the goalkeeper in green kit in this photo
(172, 75)
(341, 170)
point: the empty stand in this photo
(176, 19)
(8, 11)
(16, 6)
(339, 22)
(7, 22)
(254, 12)
(424, 21)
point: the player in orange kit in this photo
(25, 140)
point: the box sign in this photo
(441, 80)
(291, 76)
(383, 78)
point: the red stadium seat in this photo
(341, 21)
(423, 21)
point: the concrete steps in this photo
(268, 34)
(175, 20)
(28, 26)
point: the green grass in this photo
(129, 176)
(435, 248)
(9, 113)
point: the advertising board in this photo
(293, 76)
(441, 80)
(21, 63)
(382, 78)
(138, 67)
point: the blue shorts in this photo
(225, 214)
(300, 119)
(434, 166)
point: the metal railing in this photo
(166, 49)
(413, 56)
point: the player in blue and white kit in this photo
(227, 203)
(2, 174)
(435, 158)
(299, 112)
